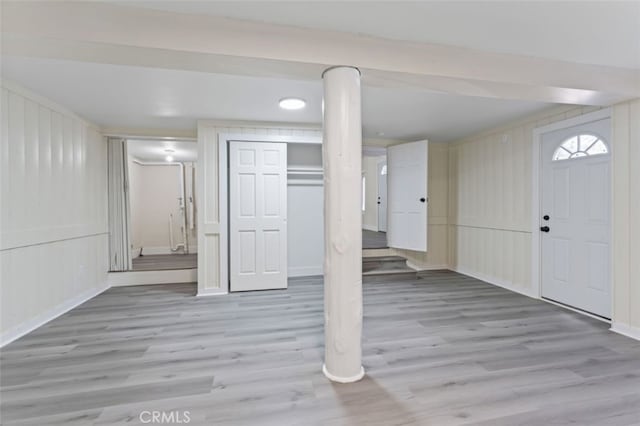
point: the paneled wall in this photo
(53, 229)
(210, 252)
(490, 194)
(626, 218)
(437, 241)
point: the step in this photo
(385, 265)
(367, 253)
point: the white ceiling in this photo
(150, 98)
(590, 32)
(155, 150)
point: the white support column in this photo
(342, 157)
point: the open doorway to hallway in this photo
(374, 196)
(152, 205)
(162, 203)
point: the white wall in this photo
(437, 253)
(370, 172)
(153, 194)
(305, 225)
(53, 216)
(626, 218)
(490, 195)
(210, 251)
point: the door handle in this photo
(422, 200)
(545, 229)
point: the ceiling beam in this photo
(115, 34)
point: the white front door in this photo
(258, 215)
(382, 196)
(407, 196)
(575, 221)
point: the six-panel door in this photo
(258, 215)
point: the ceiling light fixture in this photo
(168, 159)
(292, 103)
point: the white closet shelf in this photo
(304, 170)
(305, 182)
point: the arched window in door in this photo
(582, 145)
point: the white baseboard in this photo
(304, 271)
(495, 281)
(40, 320)
(155, 250)
(370, 227)
(626, 330)
(176, 276)
(164, 250)
(212, 292)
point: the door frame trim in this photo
(536, 201)
(223, 190)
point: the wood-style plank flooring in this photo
(163, 262)
(373, 240)
(440, 349)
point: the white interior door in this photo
(576, 217)
(258, 215)
(382, 196)
(407, 196)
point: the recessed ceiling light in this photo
(168, 159)
(292, 103)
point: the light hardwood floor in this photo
(160, 262)
(373, 240)
(440, 349)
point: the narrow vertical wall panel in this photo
(32, 169)
(5, 168)
(57, 161)
(9, 313)
(17, 168)
(621, 213)
(634, 213)
(74, 211)
(211, 176)
(78, 142)
(507, 169)
(44, 172)
(67, 169)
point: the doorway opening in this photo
(374, 198)
(152, 201)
